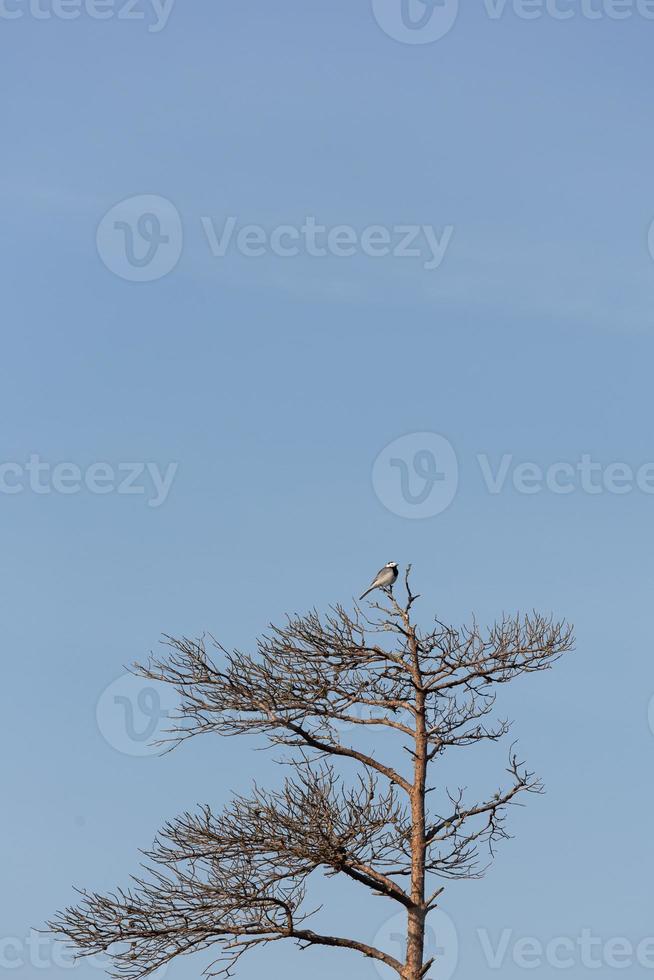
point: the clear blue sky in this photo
(275, 382)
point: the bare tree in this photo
(238, 879)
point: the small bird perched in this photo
(384, 579)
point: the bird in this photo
(384, 579)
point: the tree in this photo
(238, 879)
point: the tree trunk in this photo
(415, 946)
(417, 915)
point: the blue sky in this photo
(271, 384)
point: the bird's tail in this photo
(366, 592)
